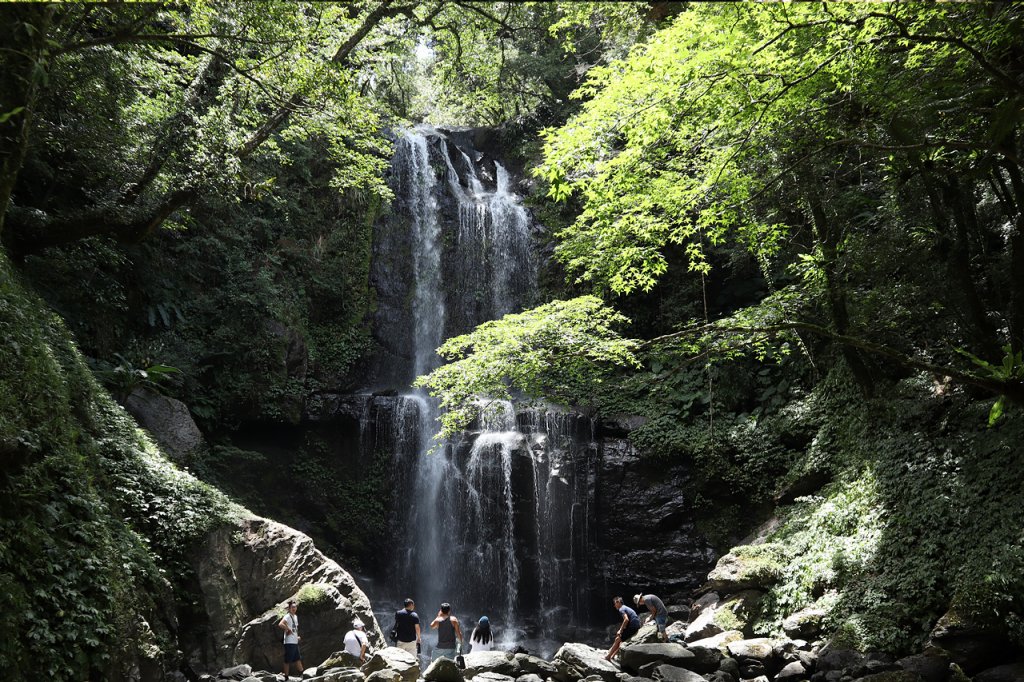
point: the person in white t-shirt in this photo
(356, 640)
(481, 639)
(290, 625)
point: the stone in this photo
(647, 634)
(804, 624)
(721, 676)
(1011, 672)
(752, 669)
(972, 646)
(443, 670)
(392, 658)
(575, 661)
(245, 567)
(719, 641)
(478, 662)
(493, 677)
(526, 664)
(837, 659)
(341, 675)
(168, 421)
(340, 659)
(709, 599)
(384, 675)
(705, 658)
(730, 666)
(932, 666)
(671, 673)
(238, 672)
(891, 676)
(760, 649)
(747, 567)
(703, 626)
(530, 677)
(635, 655)
(792, 672)
(739, 611)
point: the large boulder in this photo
(391, 658)
(971, 645)
(704, 626)
(246, 571)
(339, 675)
(634, 656)
(792, 672)
(443, 670)
(532, 665)
(168, 421)
(804, 624)
(576, 661)
(478, 662)
(739, 611)
(719, 641)
(670, 673)
(1011, 672)
(747, 567)
(932, 665)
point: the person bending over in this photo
(629, 626)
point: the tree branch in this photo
(1013, 389)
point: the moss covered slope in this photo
(95, 521)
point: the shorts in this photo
(291, 653)
(662, 621)
(408, 646)
(629, 631)
(438, 653)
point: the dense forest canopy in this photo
(787, 237)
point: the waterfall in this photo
(496, 521)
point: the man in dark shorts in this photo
(290, 625)
(407, 628)
(629, 626)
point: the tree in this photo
(796, 130)
(559, 351)
(198, 90)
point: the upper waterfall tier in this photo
(455, 250)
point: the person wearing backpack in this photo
(356, 641)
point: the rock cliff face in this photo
(646, 538)
(246, 572)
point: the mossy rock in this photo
(747, 567)
(739, 612)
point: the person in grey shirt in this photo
(658, 612)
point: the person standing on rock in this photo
(658, 612)
(481, 639)
(448, 629)
(356, 641)
(629, 626)
(407, 628)
(290, 625)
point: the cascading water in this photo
(495, 522)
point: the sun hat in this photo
(357, 623)
(637, 598)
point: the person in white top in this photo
(481, 639)
(290, 625)
(356, 640)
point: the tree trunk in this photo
(1016, 312)
(23, 64)
(828, 240)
